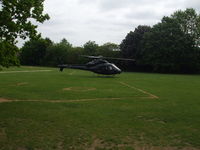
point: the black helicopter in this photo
(98, 65)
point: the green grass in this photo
(134, 121)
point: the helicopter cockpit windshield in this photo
(116, 68)
(112, 68)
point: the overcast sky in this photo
(104, 20)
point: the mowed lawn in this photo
(44, 109)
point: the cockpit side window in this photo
(110, 67)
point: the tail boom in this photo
(73, 67)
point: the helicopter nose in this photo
(119, 71)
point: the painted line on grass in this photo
(150, 96)
(25, 71)
(140, 90)
(71, 73)
(3, 100)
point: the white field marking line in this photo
(25, 71)
(145, 92)
(71, 73)
(58, 101)
(70, 101)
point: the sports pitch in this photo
(42, 108)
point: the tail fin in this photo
(61, 69)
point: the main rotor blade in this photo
(92, 57)
(101, 57)
(126, 59)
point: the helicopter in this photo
(98, 65)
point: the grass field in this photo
(44, 109)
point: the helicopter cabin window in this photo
(109, 68)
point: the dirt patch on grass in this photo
(162, 148)
(25, 71)
(21, 148)
(3, 136)
(79, 89)
(21, 83)
(100, 144)
(97, 144)
(2, 100)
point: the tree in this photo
(34, 51)
(90, 48)
(168, 49)
(189, 22)
(74, 54)
(15, 21)
(58, 53)
(8, 54)
(131, 45)
(65, 43)
(108, 49)
(111, 46)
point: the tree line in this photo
(170, 46)
(44, 52)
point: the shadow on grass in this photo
(96, 76)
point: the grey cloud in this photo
(193, 4)
(143, 15)
(104, 20)
(109, 5)
(116, 4)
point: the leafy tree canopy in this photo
(189, 22)
(58, 53)
(130, 46)
(65, 43)
(168, 49)
(8, 54)
(90, 47)
(34, 51)
(109, 50)
(16, 18)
